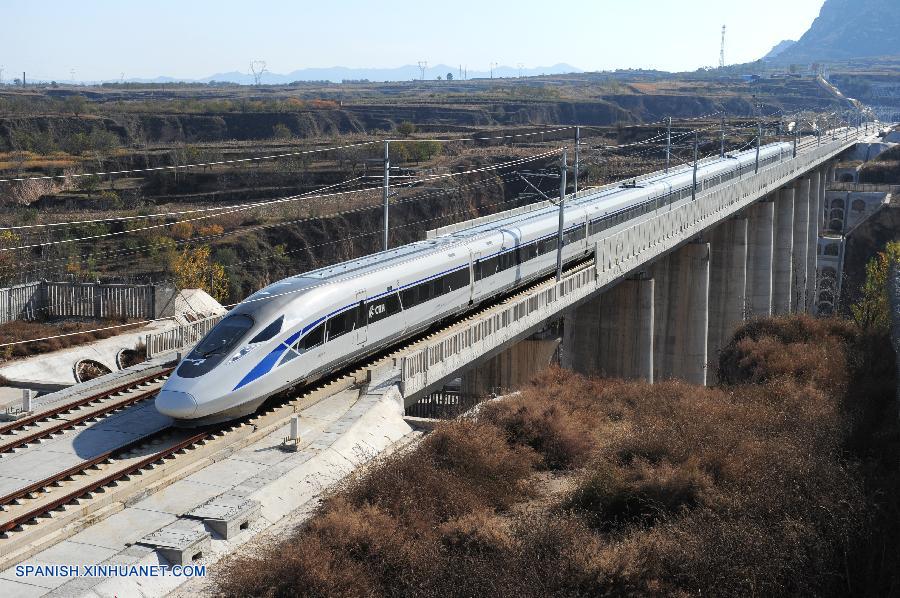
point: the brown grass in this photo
(15, 331)
(675, 490)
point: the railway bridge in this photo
(657, 299)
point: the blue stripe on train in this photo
(263, 367)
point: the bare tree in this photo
(257, 69)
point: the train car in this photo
(304, 327)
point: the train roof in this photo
(350, 269)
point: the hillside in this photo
(847, 29)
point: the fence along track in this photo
(33, 300)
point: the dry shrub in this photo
(608, 497)
(460, 467)
(681, 490)
(798, 347)
(534, 420)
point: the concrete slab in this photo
(140, 419)
(124, 528)
(268, 453)
(18, 589)
(179, 498)
(226, 474)
(64, 553)
(87, 443)
(180, 543)
(227, 515)
(36, 465)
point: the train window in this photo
(506, 261)
(486, 268)
(526, 252)
(409, 297)
(224, 336)
(547, 245)
(438, 286)
(573, 236)
(313, 339)
(383, 307)
(459, 279)
(269, 331)
(340, 324)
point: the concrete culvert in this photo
(88, 369)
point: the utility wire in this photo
(281, 200)
(175, 167)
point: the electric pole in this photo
(562, 210)
(386, 190)
(758, 142)
(423, 66)
(696, 158)
(722, 50)
(493, 65)
(577, 143)
(796, 134)
(722, 150)
(668, 143)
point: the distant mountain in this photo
(848, 29)
(779, 48)
(341, 73)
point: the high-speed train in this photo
(306, 326)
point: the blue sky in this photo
(100, 39)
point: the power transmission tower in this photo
(257, 69)
(722, 50)
(423, 66)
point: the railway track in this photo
(38, 516)
(59, 420)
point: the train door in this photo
(362, 328)
(473, 267)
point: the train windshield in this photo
(224, 336)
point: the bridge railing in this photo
(179, 337)
(621, 252)
(435, 361)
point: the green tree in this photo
(872, 311)
(425, 150)
(76, 144)
(75, 104)
(89, 184)
(449, 76)
(194, 269)
(282, 131)
(406, 128)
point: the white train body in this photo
(306, 326)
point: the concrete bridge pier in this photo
(761, 234)
(782, 266)
(801, 245)
(727, 282)
(511, 368)
(816, 203)
(681, 310)
(612, 335)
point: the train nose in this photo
(179, 405)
